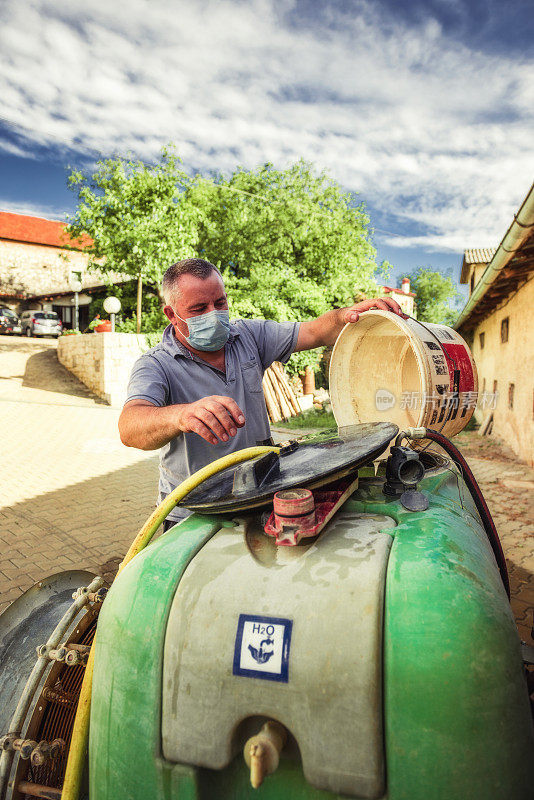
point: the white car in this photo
(41, 323)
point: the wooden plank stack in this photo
(280, 398)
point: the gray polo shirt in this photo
(169, 374)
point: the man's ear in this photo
(169, 313)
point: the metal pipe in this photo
(36, 790)
(517, 233)
(43, 661)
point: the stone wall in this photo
(103, 361)
(509, 364)
(34, 269)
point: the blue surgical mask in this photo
(209, 331)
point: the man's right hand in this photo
(215, 418)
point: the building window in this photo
(481, 337)
(511, 388)
(472, 280)
(504, 329)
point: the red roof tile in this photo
(398, 291)
(36, 230)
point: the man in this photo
(198, 394)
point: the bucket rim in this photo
(413, 342)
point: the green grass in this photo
(472, 425)
(310, 419)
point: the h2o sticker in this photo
(262, 647)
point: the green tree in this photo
(290, 244)
(136, 216)
(436, 295)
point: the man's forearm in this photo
(322, 331)
(149, 427)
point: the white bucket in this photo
(386, 368)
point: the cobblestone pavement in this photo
(508, 488)
(72, 496)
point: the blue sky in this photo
(423, 109)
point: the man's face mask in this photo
(208, 332)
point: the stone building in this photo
(39, 265)
(498, 323)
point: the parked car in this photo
(41, 323)
(9, 322)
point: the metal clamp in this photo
(38, 752)
(90, 596)
(70, 654)
(46, 751)
(24, 746)
(51, 653)
(7, 741)
(74, 657)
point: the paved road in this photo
(508, 487)
(72, 495)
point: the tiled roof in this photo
(482, 255)
(36, 230)
(398, 291)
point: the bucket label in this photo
(440, 365)
(262, 647)
(443, 334)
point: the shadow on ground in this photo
(43, 371)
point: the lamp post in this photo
(76, 287)
(112, 306)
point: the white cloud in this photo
(403, 115)
(32, 209)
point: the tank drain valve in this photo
(262, 752)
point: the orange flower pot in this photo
(104, 327)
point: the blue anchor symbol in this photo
(259, 654)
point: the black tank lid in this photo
(313, 461)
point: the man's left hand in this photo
(352, 314)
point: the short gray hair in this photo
(189, 266)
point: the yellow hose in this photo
(80, 730)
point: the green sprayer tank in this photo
(401, 675)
